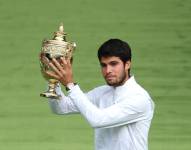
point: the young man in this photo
(120, 112)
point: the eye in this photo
(113, 63)
(102, 65)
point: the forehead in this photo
(110, 59)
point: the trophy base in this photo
(50, 95)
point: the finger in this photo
(41, 56)
(68, 62)
(44, 60)
(59, 65)
(63, 60)
(51, 74)
(55, 69)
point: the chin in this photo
(115, 84)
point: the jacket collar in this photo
(126, 86)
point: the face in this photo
(114, 70)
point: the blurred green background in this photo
(159, 32)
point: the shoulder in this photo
(136, 89)
(141, 90)
(141, 97)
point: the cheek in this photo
(103, 71)
(119, 69)
(121, 73)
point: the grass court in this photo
(159, 32)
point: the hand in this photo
(42, 57)
(44, 61)
(61, 70)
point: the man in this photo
(120, 112)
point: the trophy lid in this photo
(60, 35)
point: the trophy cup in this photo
(55, 48)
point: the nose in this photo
(108, 69)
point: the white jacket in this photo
(120, 115)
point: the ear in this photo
(128, 65)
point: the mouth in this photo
(110, 77)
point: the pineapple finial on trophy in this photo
(60, 35)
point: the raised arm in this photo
(65, 105)
(115, 115)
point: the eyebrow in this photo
(110, 63)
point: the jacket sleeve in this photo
(122, 113)
(65, 105)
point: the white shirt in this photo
(120, 115)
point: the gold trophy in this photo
(55, 48)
